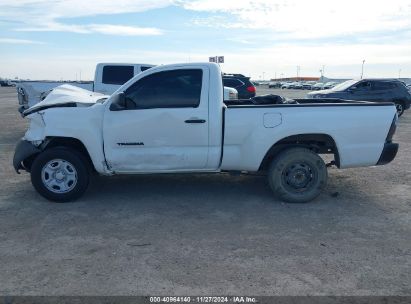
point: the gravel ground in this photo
(206, 234)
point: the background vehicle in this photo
(108, 78)
(286, 85)
(329, 85)
(241, 83)
(296, 85)
(308, 85)
(318, 86)
(274, 84)
(377, 90)
(230, 93)
(172, 119)
(7, 83)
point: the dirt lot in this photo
(206, 234)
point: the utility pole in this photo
(263, 75)
(298, 71)
(399, 74)
(322, 73)
(362, 69)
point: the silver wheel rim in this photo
(59, 176)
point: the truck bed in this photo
(359, 133)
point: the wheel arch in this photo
(401, 102)
(317, 142)
(70, 142)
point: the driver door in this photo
(163, 125)
(362, 91)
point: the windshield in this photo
(345, 85)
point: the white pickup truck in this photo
(107, 79)
(172, 119)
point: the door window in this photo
(363, 86)
(383, 85)
(168, 89)
(232, 83)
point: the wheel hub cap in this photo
(298, 177)
(59, 176)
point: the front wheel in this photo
(297, 175)
(400, 108)
(60, 174)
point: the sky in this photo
(61, 39)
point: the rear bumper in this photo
(388, 153)
(24, 149)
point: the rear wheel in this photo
(297, 175)
(400, 108)
(60, 174)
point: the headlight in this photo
(35, 132)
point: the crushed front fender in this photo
(24, 149)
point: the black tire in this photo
(297, 175)
(399, 105)
(67, 164)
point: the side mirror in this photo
(118, 102)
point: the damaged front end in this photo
(59, 115)
(65, 96)
(31, 144)
(24, 152)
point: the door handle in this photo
(195, 121)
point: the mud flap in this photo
(24, 149)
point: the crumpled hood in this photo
(66, 96)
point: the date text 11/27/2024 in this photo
(204, 299)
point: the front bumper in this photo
(22, 109)
(388, 153)
(24, 150)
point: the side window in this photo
(364, 85)
(117, 74)
(232, 83)
(144, 68)
(383, 85)
(169, 89)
